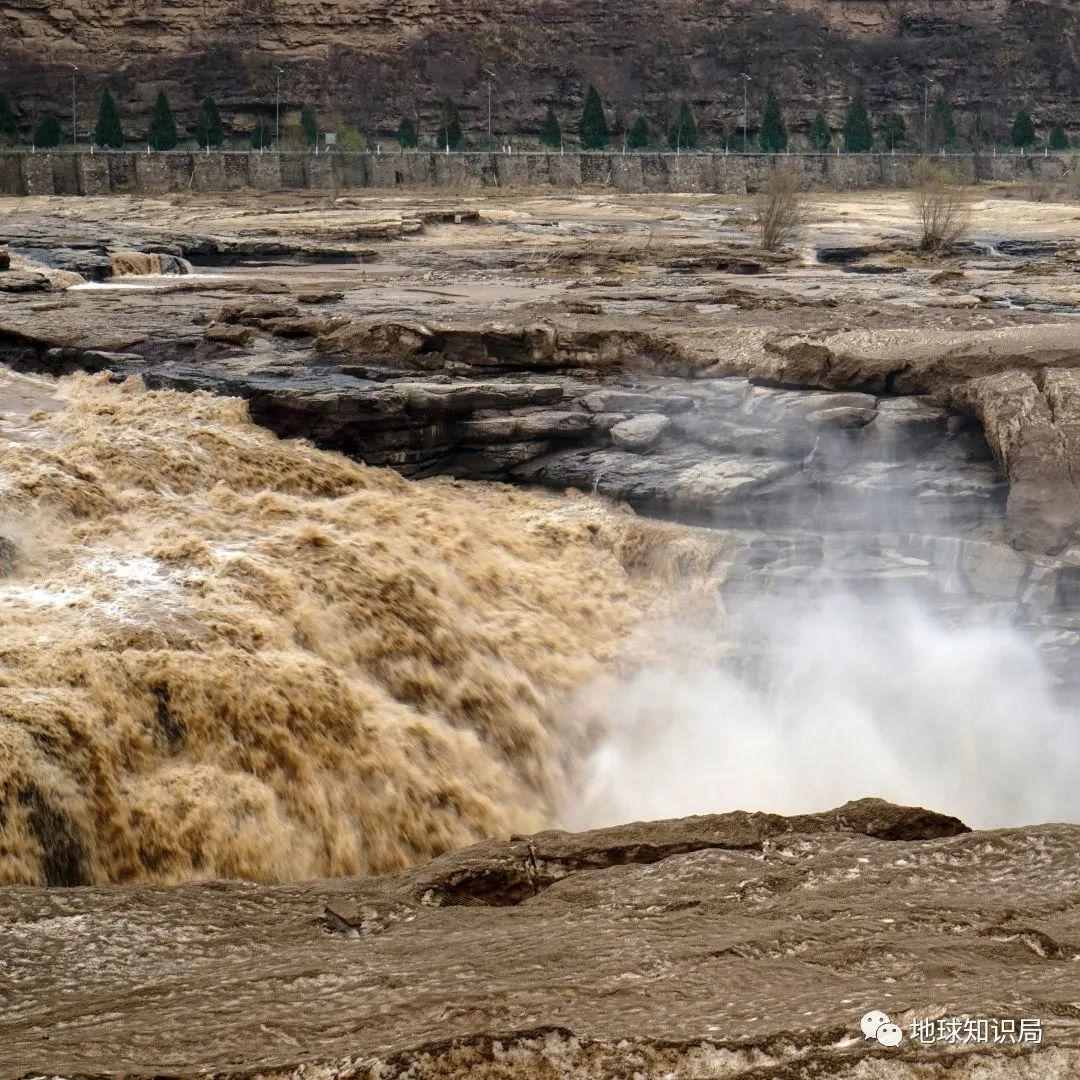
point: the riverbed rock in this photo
(1000, 376)
(224, 334)
(640, 432)
(320, 296)
(256, 312)
(546, 424)
(18, 281)
(634, 402)
(1032, 431)
(599, 954)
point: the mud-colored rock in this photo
(295, 327)
(594, 955)
(323, 296)
(256, 313)
(224, 334)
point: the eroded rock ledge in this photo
(1022, 383)
(733, 945)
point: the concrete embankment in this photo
(86, 173)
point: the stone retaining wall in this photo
(45, 173)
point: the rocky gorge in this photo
(453, 488)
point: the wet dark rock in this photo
(325, 296)
(493, 460)
(501, 874)
(67, 359)
(879, 269)
(9, 554)
(19, 281)
(92, 265)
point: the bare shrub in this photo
(779, 208)
(1039, 190)
(941, 207)
(1071, 177)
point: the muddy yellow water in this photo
(222, 654)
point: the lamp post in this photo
(74, 108)
(491, 79)
(277, 112)
(745, 108)
(926, 114)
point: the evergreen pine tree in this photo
(593, 129)
(309, 123)
(893, 131)
(47, 133)
(684, 134)
(551, 132)
(773, 136)
(982, 129)
(942, 125)
(407, 135)
(638, 137)
(1058, 139)
(450, 134)
(162, 134)
(9, 130)
(820, 135)
(1023, 130)
(350, 139)
(262, 138)
(108, 131)
(858, 138)
(208, 129)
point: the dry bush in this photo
(1070, 181)
(779, 208)
(941, 206)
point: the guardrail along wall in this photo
(118, 172)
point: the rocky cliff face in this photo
(369, 63)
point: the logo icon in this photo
(877, 1025)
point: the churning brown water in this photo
(222, 654)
